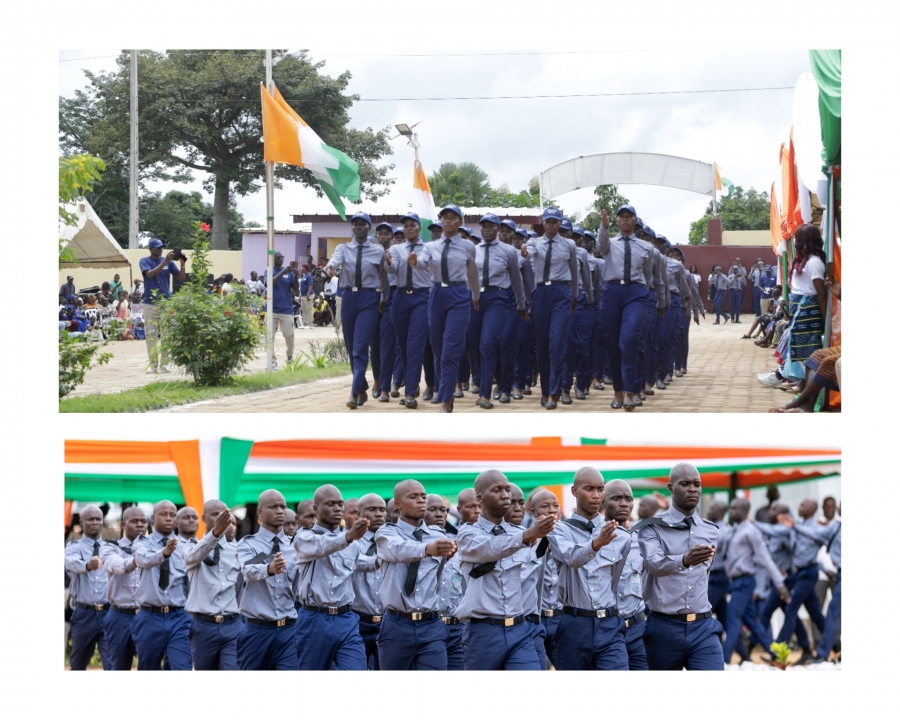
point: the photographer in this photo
(157, 270)
(719, 284)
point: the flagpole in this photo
(270, 232)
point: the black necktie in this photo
(412, 569)
(276, 546)
(359, 261)
(547, 259)
(164, 569)
(627, 274)
(445, 270)
(372, 548)
(486, 567)
(214, 560)
(585, 525)
(96, 552)
(486, 271)
(128, 550)
(542, 547)
(409, 283)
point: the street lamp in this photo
(404, 130)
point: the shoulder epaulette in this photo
(647, 522)
(710, 522)
(113, 542)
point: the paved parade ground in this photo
(721, 377)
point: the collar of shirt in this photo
(267, 535)
(673, 516)
(488, 526)
(622, 237)
(336, 531)
(90, 542)
(410, 244)
(408, 529)
(158, 537)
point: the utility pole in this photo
(270, 228)
(133, 190)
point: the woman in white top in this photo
(807, 302)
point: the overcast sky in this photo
(513, 140)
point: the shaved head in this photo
(411, 499)
(619, 485)
(587, 475)
(487, 479)
(90, 511)
(133, 511)
(164, 517)
(213, 506)
(324, 493)
(163, 504)
(468, 506)
(716, 511)
(683, 470)
(270, 510)
(588, 487)
(370, 499)
(541, 495)
(406, 486)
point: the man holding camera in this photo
(157, 270)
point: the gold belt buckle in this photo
(549, 282)
(446, 620)
(356, 289)
(281, 623)
(98, 608)
(628, 623)
(691, 618)
(601, 613)
(509, 622)
(219, 618)
(332, 610)
(415, 616)
(376, 618)
(164, 609)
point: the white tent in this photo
(90, 241)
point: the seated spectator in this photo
(138, 289)
(106, 292)
(92, 332)
(123, 307)
(91, 302)
(227, 279)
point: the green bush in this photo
(209, 337)
(75, 356)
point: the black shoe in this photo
(579, 394)
(496, 396)
(599, 386)
(465, 386)
(516, 394)
(566, 399)
(648, 391)
(395, 391)
(411, 403)
(716, 322)
(504, 398)
(435, 401)
(402, 401)
(643, 396)
(607, 380)
(660, 385)
(457, 393)
(361, 398)
(376, 393)
(550, 404)
(427, 395)
(805, 658)
(526, 391)
(351, 403)
(383, 397)
(484, 403)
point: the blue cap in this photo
(679, 251)
(768, 268)
(361, 216)
(410, 216)
(592, 236)
(398, 229)
(466, 230)
(489, 217)
(532, 234)
(578, 230)
(639, 223)
(477, 237)
(521, 231)
(434, 224)
(629, 208)
(511, 224)
(552, 213)
(565, 224)
(453, 208)
(155, 243)
(384, 224)
(649, 231)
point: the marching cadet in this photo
(655, 301)
(578, 351)
(832, 627)
(524, 339)
(452, 265)
(555, 298)
(627, 272)
(212, 567)
(89, 587)
(737, 281)
(499, 636)
(746, 549)
(544, 502)
(291, 524)
(367, 578)
(468, 506)
(506, 367)
(269, 566)
(780, 542)
(384, 341)
(117, 559)
(161, 628)
(187, 522)
(696, 306)
(435, 229)
(678, 547)
(365, 293)
(719, 283)
(327, 633)
(666, 339)
(598, 345)
(306, 516)
(591, 554)
(413, 557)
(411, 307)
(452, 586)
(618, 502)
(501, 293)
(718, 583)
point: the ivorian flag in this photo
(288, 139)
(423, 202)
(720, 181)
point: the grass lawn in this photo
(180, 392)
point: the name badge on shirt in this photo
(635, 578)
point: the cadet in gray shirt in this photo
(212, 566)
(327, 633)
(452, 587)
(367, 579)
(544, 502)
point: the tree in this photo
(200, 110)
(609, 199)
(76, 175)
(503, 198)
(744, 210)
(463, 184)
(171, 218)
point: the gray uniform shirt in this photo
(367, 578)
(117, 559)
(586, 576)
(668, 586)
(397, 547)
(550, 589)
(148, 556)
(460, 262)
(213, 582)
(613, 252)
(421, 278)
(497, 593)
(629, 595)
(718, 562)
(584, 274)
(88, 587)
(503, 270)
(780, 544)
(719, 282)
(660, 280)
(745, 548)
(756, 276)
(526, 269)
(374, 276)
(453, 587)
(266, 597)
(325, 563)
(563, 260)
(736, 281)
(810, 537)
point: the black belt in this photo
(372, 619)
(164, 609)
(812, 564)
(548, 613)
(492, 287)
(284, 622)
(450, 620)
(95, 608)
(534, 619)
(451, 284)
(620, 281)
(415, 290)
(580, 612)
(415, 616)
(691, 617)
(721, 570)
(635, 619)
(217, 619)
(125, 610)
(355, 289)
(505, 622)
(554, 282)
(325, 610)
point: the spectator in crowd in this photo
(157, 271)
(68, 287)
(115, 286)
(322, 315)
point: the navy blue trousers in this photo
(719, 304)
(507, 364)
(681, 351)
(803, 593)
(455, 647)
(326, 641)
(368, 632)
(634, 644)
(117, 631)
(410, 321)
(644, 341)
(599, 358)
(486, 330)
(734, 304)
(653, 349)
(552, 310)
(390, 367)
(538, 635)
(214, 645)
(524, 342)
(551, 624)
(676, 645)
(158, 636)
(742, 611)
(832, 622)
(359, 322)
(87, 633)
(267, 648)
(494, 647)
(584, 643)
(666, 338)
(717, 592)
(774, 602)
(448, 319)
(757, 298)
(578, 350)
(412, 645)
(623, 309)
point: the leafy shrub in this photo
(75, 356)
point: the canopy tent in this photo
(93, 245)
(236, 471)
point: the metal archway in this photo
(628, 168)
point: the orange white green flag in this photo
(423, 202)
(289, 140)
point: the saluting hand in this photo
(697, 555)
(605, 536)
(542, 527)
(413, 259)
(230, 530)
(786, 520)
(93, 563)
(170, 547)
(358, 530)
(222, 523)
(437, 548)
(278, 565)
(605, 216)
